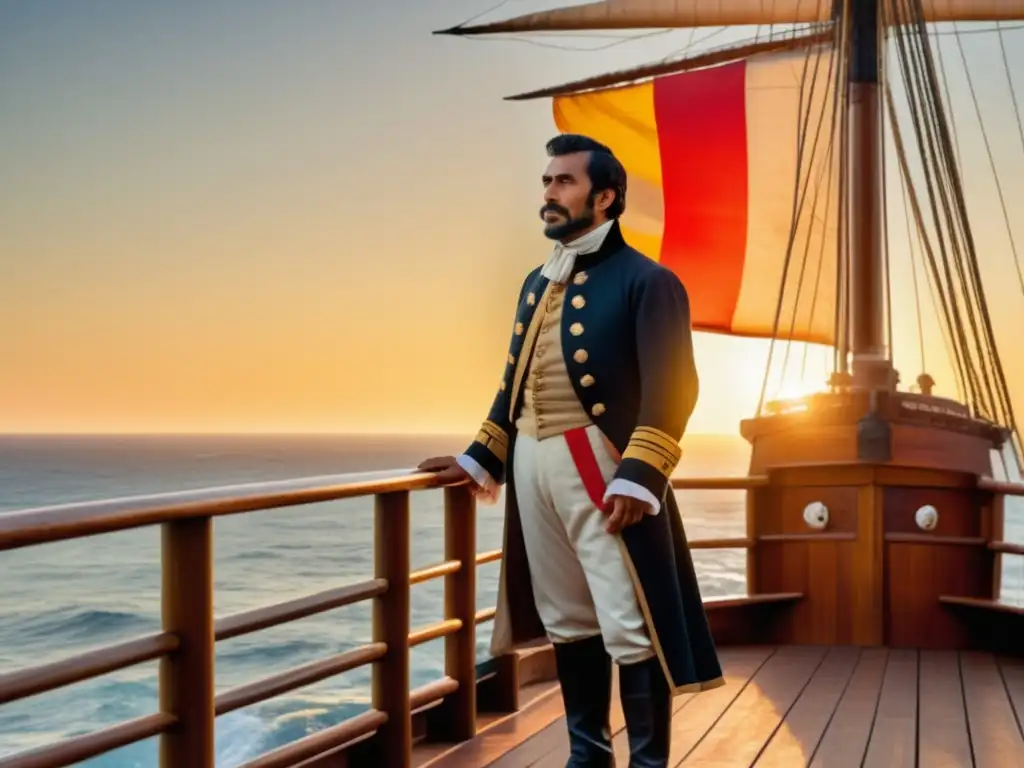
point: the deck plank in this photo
(745, 727)
(781, 707)
(995, 734)
(795, 741)
(893, 742)
(846, 737)
(700, 715)
(943, 740)
(505, 735)
(1012, 671)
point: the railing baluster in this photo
(391, 626)
(186, 675)
(751, 498)
(460, 603)
(997, 532)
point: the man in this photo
(598, 386)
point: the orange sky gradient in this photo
(316, 218)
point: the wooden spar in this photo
(706, 59)
(630, 14)
(626, 14)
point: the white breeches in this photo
(581, 584)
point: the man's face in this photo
(569, 210)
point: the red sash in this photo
(583, 457)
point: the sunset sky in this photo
(315, 216)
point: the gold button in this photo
(576, 329)
(579, 302)
(519, 329)
(511, 359)
(531, 298)
(580, 355)
(502, 386)
(587, 380)
(598, 409)
(580, 278)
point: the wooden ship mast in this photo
(874, 528)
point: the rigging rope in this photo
(800, 195)
(918, 99)
(913, 273)
(953, 264)
(825, 172)
(940, 303)
(991, 366)
(991, 156)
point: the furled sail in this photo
(638, 14)
(733, 176)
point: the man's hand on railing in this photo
(448, 471)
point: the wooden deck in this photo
(793, 706)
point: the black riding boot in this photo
(647, 706)
(585, 674)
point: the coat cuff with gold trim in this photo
(650, 459)
(490, 450)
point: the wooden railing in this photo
(997, 542)
(184, 647)
(997, 609)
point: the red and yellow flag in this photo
(712, 159)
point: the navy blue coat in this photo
(628, 348)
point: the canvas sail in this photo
(721, 192)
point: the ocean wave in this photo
(261, 554)
(73, 624)
(266, 652)
(239, 737)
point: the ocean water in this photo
(66, 598)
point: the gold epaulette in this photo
(654, 447)
(494, 438)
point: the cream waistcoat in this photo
(550, 406)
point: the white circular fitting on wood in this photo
(816, 515)
(927, 517)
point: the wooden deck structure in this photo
(821, 605)
(786, 706)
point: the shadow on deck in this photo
(799, 705)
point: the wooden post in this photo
(186, 676)
(996, 533)
(459, 723)
(391, 626)
(752, 497)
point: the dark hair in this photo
(603, 168)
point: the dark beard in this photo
(570, 226)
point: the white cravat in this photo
(559, 265)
